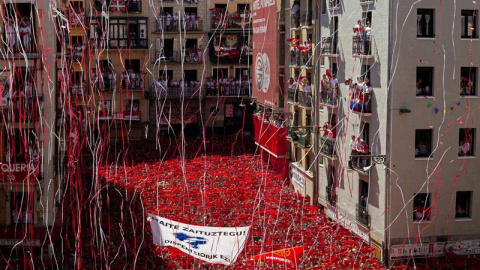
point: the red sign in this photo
(265, 32)
(18, 172)
(289, 256)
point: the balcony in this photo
(18, 47)
(329, 47)
(306, 19)
(292, 134)
(360, 103)
(307, 59)
(124, 116)
(132, 81)
(119, 6)
(230, 21)
(333, 5)
(328, 147)
(359, 162)
(295, 21)
(329, 97)
(293, 95)
(175, 92)
(77, 18)
(175, 25)
(305, 99)
(361, 46)
(362, 215)
(367, 2)
(330, 195)
(294, 58)
(229, 90)
(304, 138)
(106, 81)
(191, 55)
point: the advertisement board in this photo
(265, 32)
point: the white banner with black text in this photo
(219, 245)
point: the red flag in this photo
(289, 255)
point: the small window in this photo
(423, 142)
(463, 204)
(307, 162)
(366, 133)
(366, 17)
(421, 207)
(366, 72)
(165, 74)
(324, 6)
(468, 83)
(424, 85)
(363, 188)
(425, 22)
(469, 24)
(220, 73)
(466, 143)
(190, 75)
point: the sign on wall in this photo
(265, 51)
(298, 179)
(436, 249)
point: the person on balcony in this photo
(354, 146)
(364, 150)
(368, 31)
(168, 21)
(359, 29)
(367, 96)
(11, 35)
(175, 21)
(296, 9)
(25, 34)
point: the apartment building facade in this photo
(408, 186)
(29, 181)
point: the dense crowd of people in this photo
(169, 22)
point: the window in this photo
(333, 68)
(366, 72)
(242, 73)
(469, 24)
(423, 142)
(366, 133)
(466, 142)
(424, 85)
(21, 207)
(425, 22)
(131, 64)
(166, 49)
(20, 23)
(421, 207)
(463, 204)
(324, 6)
(307, 162)
(190, 75)
(366, 17)
(220, 73)
(130, 33)
(363, 188)
(243, 7)
(468, 83)
(165, 74)
(191, 10)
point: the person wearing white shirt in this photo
(175, 20)
(168, 20)
(358, 29)
(12, 36)
(334, 81)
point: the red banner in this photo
(270, 137)
(289, 256)
(18, 172)
(265, 33)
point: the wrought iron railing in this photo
(329, 96)
(233, 90)
(362, 215)
(362, 45)
(330, 195)
(295, 58)
(293, 95)
(329, 45)
(175, 92)
(295, 20)
(304, 138)
(327, 146)
(293, 133)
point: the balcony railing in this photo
(132, 81)
(328, 146)
(170, 25)
(359, 162)
(329, 45)
(329, 97)
(231, 90)
(306, 18)
(175, 92)
(191, 55)
(119, 6)
(294, 58)
(361, 45)
(305, 99)
(304, 139)
(330, 195)
(122, 43)
(307, 59)
(230, 21)
(334, 4)
(362, 215)
(105, 82)
(292, 133)
(293, 95)
(295, 20)
(24, 44)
